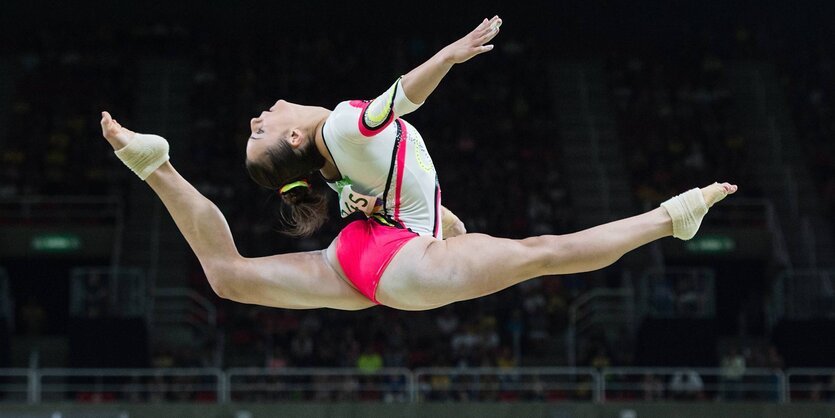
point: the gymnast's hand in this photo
(451, 225)
(114, 133)
(474, 42)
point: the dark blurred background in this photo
(582, 114)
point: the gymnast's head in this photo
(281, 155)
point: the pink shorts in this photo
(364, 250)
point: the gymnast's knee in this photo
(563, 254)
(545, 253)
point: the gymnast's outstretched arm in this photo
(419, 83)
(410, 91)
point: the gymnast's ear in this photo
(296, 138)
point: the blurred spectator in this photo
(732, 373)
(506, 359)
(447, 321)
(601, 359)
(687, 385)
(773, 358)
(163, 359)
(690, 300)
(277, 360)
(349, 348)
(301, 348)
(465, 343)
(158, 390)
(370, 360)
(652, 387)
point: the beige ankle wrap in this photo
(144, 154)
(687, 210)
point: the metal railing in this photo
(524, 384)
(300, 384)
(692, 384)
(16, 385)
(810, 385)
(128, 385)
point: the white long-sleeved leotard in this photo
(383, 159)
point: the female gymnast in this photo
(409, 253)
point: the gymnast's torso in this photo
(386, 170)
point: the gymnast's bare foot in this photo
(716, 192)
(689, 208)
(142, 153)
(117, 135)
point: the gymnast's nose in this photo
(280, 102)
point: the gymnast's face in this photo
(280, 123)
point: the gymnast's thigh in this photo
(427, 273)
(296, 281)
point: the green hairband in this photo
(290, 186)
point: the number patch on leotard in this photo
(351, 201)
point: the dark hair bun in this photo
(296, 195)
(306, 211)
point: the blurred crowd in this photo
(50, 139)
(676, 121)
(809, 79)
(470, 334)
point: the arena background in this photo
(583, 113)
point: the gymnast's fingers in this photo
(491, 32)
(481, 26)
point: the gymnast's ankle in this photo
(144, 154)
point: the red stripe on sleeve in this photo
(367, 130)
(401, 166)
